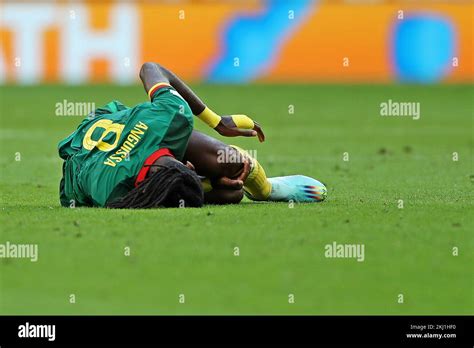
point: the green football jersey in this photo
(103, 157)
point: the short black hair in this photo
(172, 185)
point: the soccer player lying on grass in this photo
(149, 155)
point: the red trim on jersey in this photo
(156, 87)
(149, 161)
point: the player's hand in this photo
(236, 183)
(190, 166)
(228, 128)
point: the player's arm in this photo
(152, 74)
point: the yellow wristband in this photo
(243, 121)
(210, 117)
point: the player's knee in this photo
(230, 170)
(229, 162)
(234, 196)
(222, 196)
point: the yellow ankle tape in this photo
(256, 183)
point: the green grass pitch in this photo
(408, 250)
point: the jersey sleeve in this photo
(156, 90)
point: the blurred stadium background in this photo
(237, 41)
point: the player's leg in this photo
(223, 196)
(298, 188)
(210, 157)
(215, 160)
(206, 152)
(218, 163)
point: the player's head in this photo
(172, 185)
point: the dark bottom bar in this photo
(141, 330)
